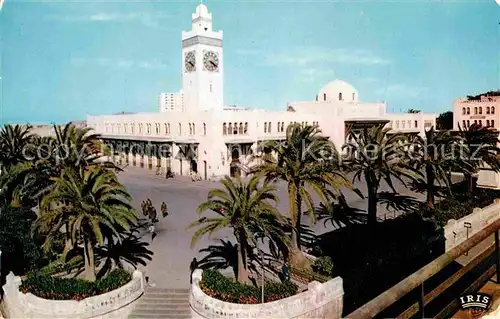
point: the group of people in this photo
(150, 211)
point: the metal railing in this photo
(418, 279)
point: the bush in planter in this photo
(323, 265)
(218, 286)
(56, 288)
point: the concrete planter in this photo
(319, 301)
(114, 304)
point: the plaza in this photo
(172, 253)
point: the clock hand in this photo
(191, 63)
(213, 63)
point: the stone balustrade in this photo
(457, 231)
(114, 304)
(319, 301)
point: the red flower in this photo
(222, 210)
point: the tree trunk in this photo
(471, 183)
(372, 199)
(297, 258)
(88, 252)
(242, 263)
(429, 172)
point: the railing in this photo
(417, 280)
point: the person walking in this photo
(164, 210)
(285, 271)
(152, 232)
(192, 267)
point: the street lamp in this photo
(262, 285)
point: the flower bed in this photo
(56, 288)
(217, 286)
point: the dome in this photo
(202, 10)
(338, 91)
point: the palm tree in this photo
(306, 161)
(413, 111)
(379, 156)
(482, 147)
(13, 142)
(84, 202)
(434, 156)
(127, 248)
(244, 207)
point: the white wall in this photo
(319, 301)
(456, 233)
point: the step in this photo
(160, 316)
(160, 306)
(156, 289)
(166, 313)
(167, 299)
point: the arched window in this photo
(245, 130)
(354, 96)
(492, 110)
(493, 123)
(480, 110)
(125, 127)
(235, 129)
(132, 126)
(463, 110)
(265, 127)
(230, 129)
(487, 122)
(224, 129)
(204, 129)
(240, 131)
(190, 129)
(194, 129)
(475, 110)
(324, 96)
(464, 124)
(468, 123)
(468, 110)
(180, 129)
(269, 127)
(480, 123)
(487, 110)
(166, 129)
(340, 96)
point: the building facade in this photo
(214, 140)
(482, 110)
(171, 102)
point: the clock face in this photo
(211, 61)
(190, 61)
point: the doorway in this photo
(205, 169)
(194, 166)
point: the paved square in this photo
(172, 253)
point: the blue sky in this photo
(63, 60)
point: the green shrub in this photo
(55, 288)
(58, 266)
(220, 287)
(323, 265)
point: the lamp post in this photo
(262, 284)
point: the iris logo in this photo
(476, 304)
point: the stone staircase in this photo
(162, 303)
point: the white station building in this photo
(194, 132)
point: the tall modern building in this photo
(214, 140)
(168, 102)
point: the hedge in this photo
(218, 286)
(55, 288)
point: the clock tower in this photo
(202, 64)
